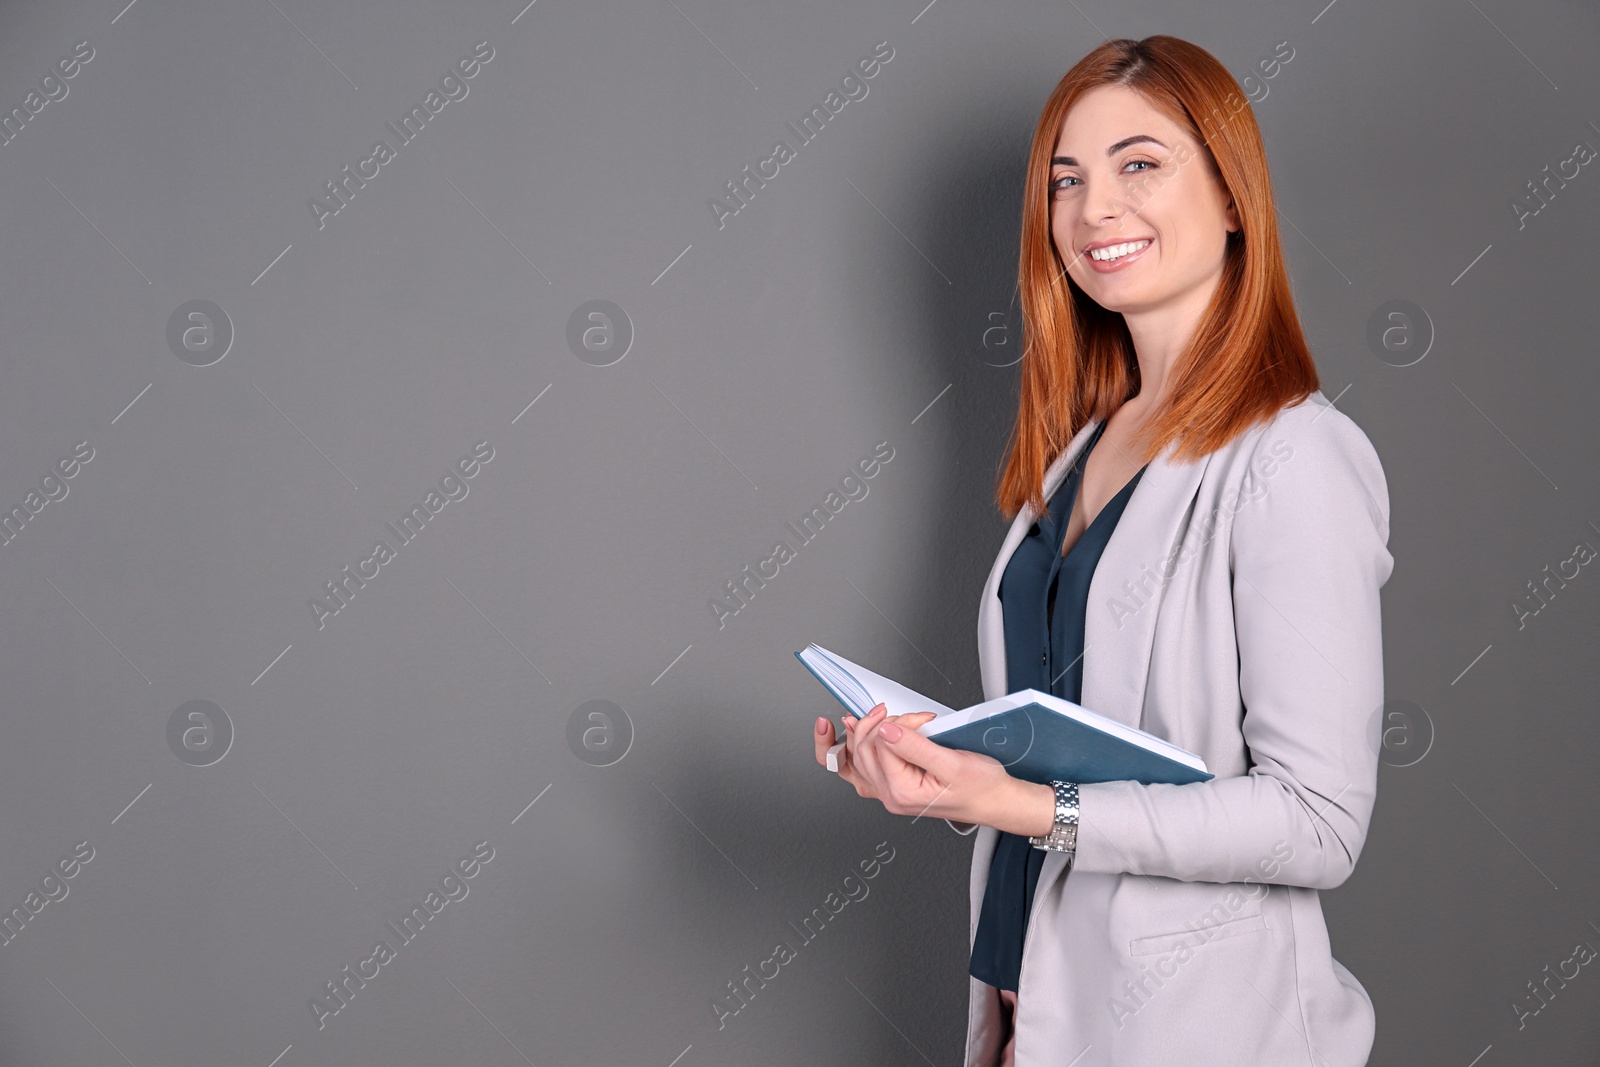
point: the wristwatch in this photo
(1063, 835)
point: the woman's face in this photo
(1124, 173)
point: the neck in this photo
(1160, 335)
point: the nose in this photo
(1102, 204)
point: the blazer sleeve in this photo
(1307, 559)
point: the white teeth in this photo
(1116, 251)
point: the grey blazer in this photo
(1235, 612)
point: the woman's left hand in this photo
(914, 776)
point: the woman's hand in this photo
(849, 768)
(887, 760)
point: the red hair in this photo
(1248, 357)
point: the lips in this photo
(1121, 262)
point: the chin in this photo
(1119, 302)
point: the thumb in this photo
(916, 749)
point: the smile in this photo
(1115, 252)
(1109, 259)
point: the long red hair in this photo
(1248, 357)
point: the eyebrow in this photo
(1069, 161)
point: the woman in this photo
(1198, 547)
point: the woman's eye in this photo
(1060, 184)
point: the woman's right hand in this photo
(856, 733)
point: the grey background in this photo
(864, 295)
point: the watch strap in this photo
(1063, 835)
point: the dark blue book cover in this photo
(1040, 745)
(1037, 736)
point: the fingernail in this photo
(889, 732)
(877, 709)
(822, 725)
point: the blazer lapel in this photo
(1126, 589)
(1119, 623)
(1125, 592)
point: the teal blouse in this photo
(1044, 598)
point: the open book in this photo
(1037, 736)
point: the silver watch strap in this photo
(1063, 835)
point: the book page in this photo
(900, 699)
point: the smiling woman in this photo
(1164, 377)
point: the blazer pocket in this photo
(1161, 944)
